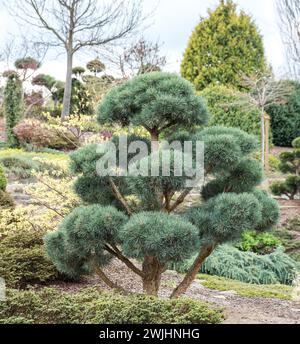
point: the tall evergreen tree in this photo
(13, 107)
(223, 46)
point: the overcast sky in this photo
(172, 23)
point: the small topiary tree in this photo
(95, 66)
(78, 71)
(137, 217)
(44, 80)
(27, 63)
(13, 107)
(289, 163)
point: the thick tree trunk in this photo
(68, 88)
(192, 273)
(155, 140)
(152, 271)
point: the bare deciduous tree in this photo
(264, 91)
(141, 57)
(73, 25)
(20, 48)
(289, 15)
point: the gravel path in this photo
(239, 310)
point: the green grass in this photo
(56, 157)
(20, 163)
(277, 291)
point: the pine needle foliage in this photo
(275, 268)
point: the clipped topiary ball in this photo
(157, 101)
(296, 143)
(269, 210)
(79, 242)
(225, 217)
(167, 237)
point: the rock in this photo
(229, 293)
(295, 310)
(221, 297)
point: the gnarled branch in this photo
(118, 254)
(119, 196)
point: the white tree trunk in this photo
(263, 135)
(68, 88)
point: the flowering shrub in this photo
(41, 134)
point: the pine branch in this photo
(107, 280)
(119, 196)
(180, 199)
(193, 271)
(118, 254)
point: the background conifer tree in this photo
(223, 46)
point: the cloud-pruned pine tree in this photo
(137, 217)
(289, 163)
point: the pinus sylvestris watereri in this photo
(135, 217)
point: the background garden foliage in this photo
(222, 47)
(229, 108)
(289, 164)
(285, 118)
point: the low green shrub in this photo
(6, 201)
(3, 180)
(261, 243)
(274, 163)
(21, 166)
(248, 267)
(91, 306)
(275, 268)
(289, 235)
(23, 260)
